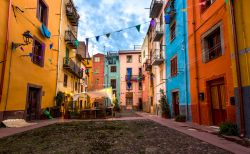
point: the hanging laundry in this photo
(45, 32)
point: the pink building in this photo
(131, 79)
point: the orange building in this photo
(211, 80)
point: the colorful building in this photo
(29, 43)
(240, 47)
(98, 63)
(130, 79)
(146, 68)
(156, 36)
(112, 73)
(70, 71)
(177, 77)
(211, 81)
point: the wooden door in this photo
(175, 102)
(33, 103)
(218, 101)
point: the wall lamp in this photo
(27, 36)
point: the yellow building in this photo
(240, 43)
(28, 67)
(71, 69)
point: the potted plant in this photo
(164, 105)
(59, 100)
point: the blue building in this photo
(112, 73)
(177, 70)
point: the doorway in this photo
(175, 103)
(33, 102)
(217, 100)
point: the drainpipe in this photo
(5, 50)
(196, 63)
(185, 54)
(238, 71)
(59, 48)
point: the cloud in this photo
(99, 17)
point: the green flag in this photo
(138, 27)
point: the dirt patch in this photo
(137, 136)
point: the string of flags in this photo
(107, 35)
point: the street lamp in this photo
(27, 36)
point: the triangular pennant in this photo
(51, 46)
(138, 27)
(152, 23)
(22, 48)
(31, 54)
(167, 19)
(97, 38)
(108, 35)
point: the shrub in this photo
(59, 98)
(164, 105)
(228, 128)
(180, 118)
(116, 106)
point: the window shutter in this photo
(42, 54)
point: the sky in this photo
(98, 17)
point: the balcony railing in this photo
(71, 66)
(148, 65)
(157, 58)
(71, 39)
(155, 8)
(72, 14)
(158, 32)
(134, 77)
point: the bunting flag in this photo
(152, 23)
(108, 35)
(31, 54)
(97, 38)
(138, 27)
(51, 46)
(167, 19)
(50, 60)
(22, 48)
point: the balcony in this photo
(157, 58)
(135, 78)
(148, 65)
(155, 8)
(71, 39)
(70, 65)
(158, 32)
(72, 14)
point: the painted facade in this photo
(240, 14)
(112, 73)
(70, 71)
(146, 68)
(177, 77)
(157, 54)
(211, 81)
(130, 79)
(98, 63)
(29, 72)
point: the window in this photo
(65, 80)
(82, 88)
(205, 4)
(129, 59)
(113, 69)
(113, 83)
(212, 46)
(172, 31)
(76, 85)
(97, 59)
(38, 53)
(129, 86)
(140, 85)
(139, 58)
(174, 67)
(140, 71)
(42, 12)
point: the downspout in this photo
(196, 63)
(5, 51)
(238, 71)
(185, 54)
(59, 48)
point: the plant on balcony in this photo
(164, 105)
